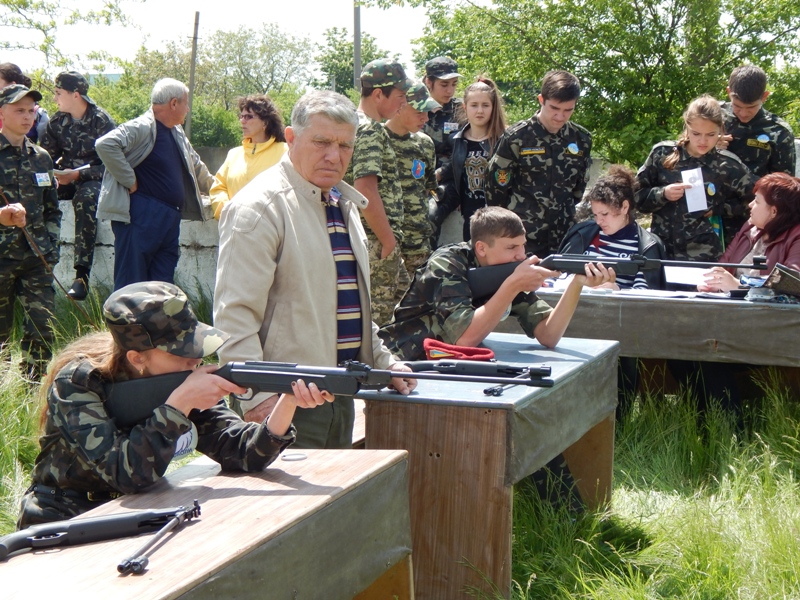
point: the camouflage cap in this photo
(72, 81)
(16, 92)
(442, 67)
(155, 314)
(420, 99)
(383, 73)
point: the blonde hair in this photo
(99, 349)
(705, 107)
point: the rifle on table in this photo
(485, 281)
(95, 529)
(131, 402)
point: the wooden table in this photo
(332, 526)
(466, 450)
(688, 328)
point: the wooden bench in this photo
(332, 526)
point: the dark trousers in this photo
(28, 281)
(147, 248)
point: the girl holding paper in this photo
(726, 184)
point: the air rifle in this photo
(95, 529)
(485, 281)
(131, 402)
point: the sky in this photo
(165, 20)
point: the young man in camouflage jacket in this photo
(26, 177)
(69, 138)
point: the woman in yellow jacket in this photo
(262, 146)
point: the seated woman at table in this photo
(614, 232)
(773, 230)
(86, 460)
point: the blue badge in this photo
(763, 138)
(573, 148)
(417, 169)
(711, 189)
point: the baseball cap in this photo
(16, 92)
(383, 73)
(442, 67)
(72, 81)
(155, 314)
(419, 99)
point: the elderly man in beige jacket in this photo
(293, 270)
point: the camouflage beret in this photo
(72, 81)
(420, 99)
(442, 67)
(383, 73)
(15, 92)
(155, 314)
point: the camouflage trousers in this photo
(414, 259)
(388, 281)
(28, 281)
(84, 203)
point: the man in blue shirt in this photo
(153, 179)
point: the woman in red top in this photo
(773, 230)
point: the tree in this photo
(640, 62)
(230, 64)
(41, 19)
(336, 60)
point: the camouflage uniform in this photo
(374, 155)
(728, 186)
(440, 127)
(765, 144)
(86, 459)
(26, 176)
(541, 176)
(415, 162)
(439, 305)
(70, 143)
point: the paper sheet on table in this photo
(695, 195)
(685, 275)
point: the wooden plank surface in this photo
(240, 513)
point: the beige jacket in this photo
(276, 278)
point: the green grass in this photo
(699, 510)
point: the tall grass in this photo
(698, 511)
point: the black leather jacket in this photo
(581, 235)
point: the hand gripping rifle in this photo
(95, 529)
(131, 402)
(485, 281)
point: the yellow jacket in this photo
(240, 166)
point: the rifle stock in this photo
(131, 402)
(485, 281)
(87, 530)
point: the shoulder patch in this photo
(502, 177)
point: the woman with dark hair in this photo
(614, 231)
(773, 230)
(262, 147)
(11, 73)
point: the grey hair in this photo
(336, 107)
(166, 89)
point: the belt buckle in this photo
(102, 496)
